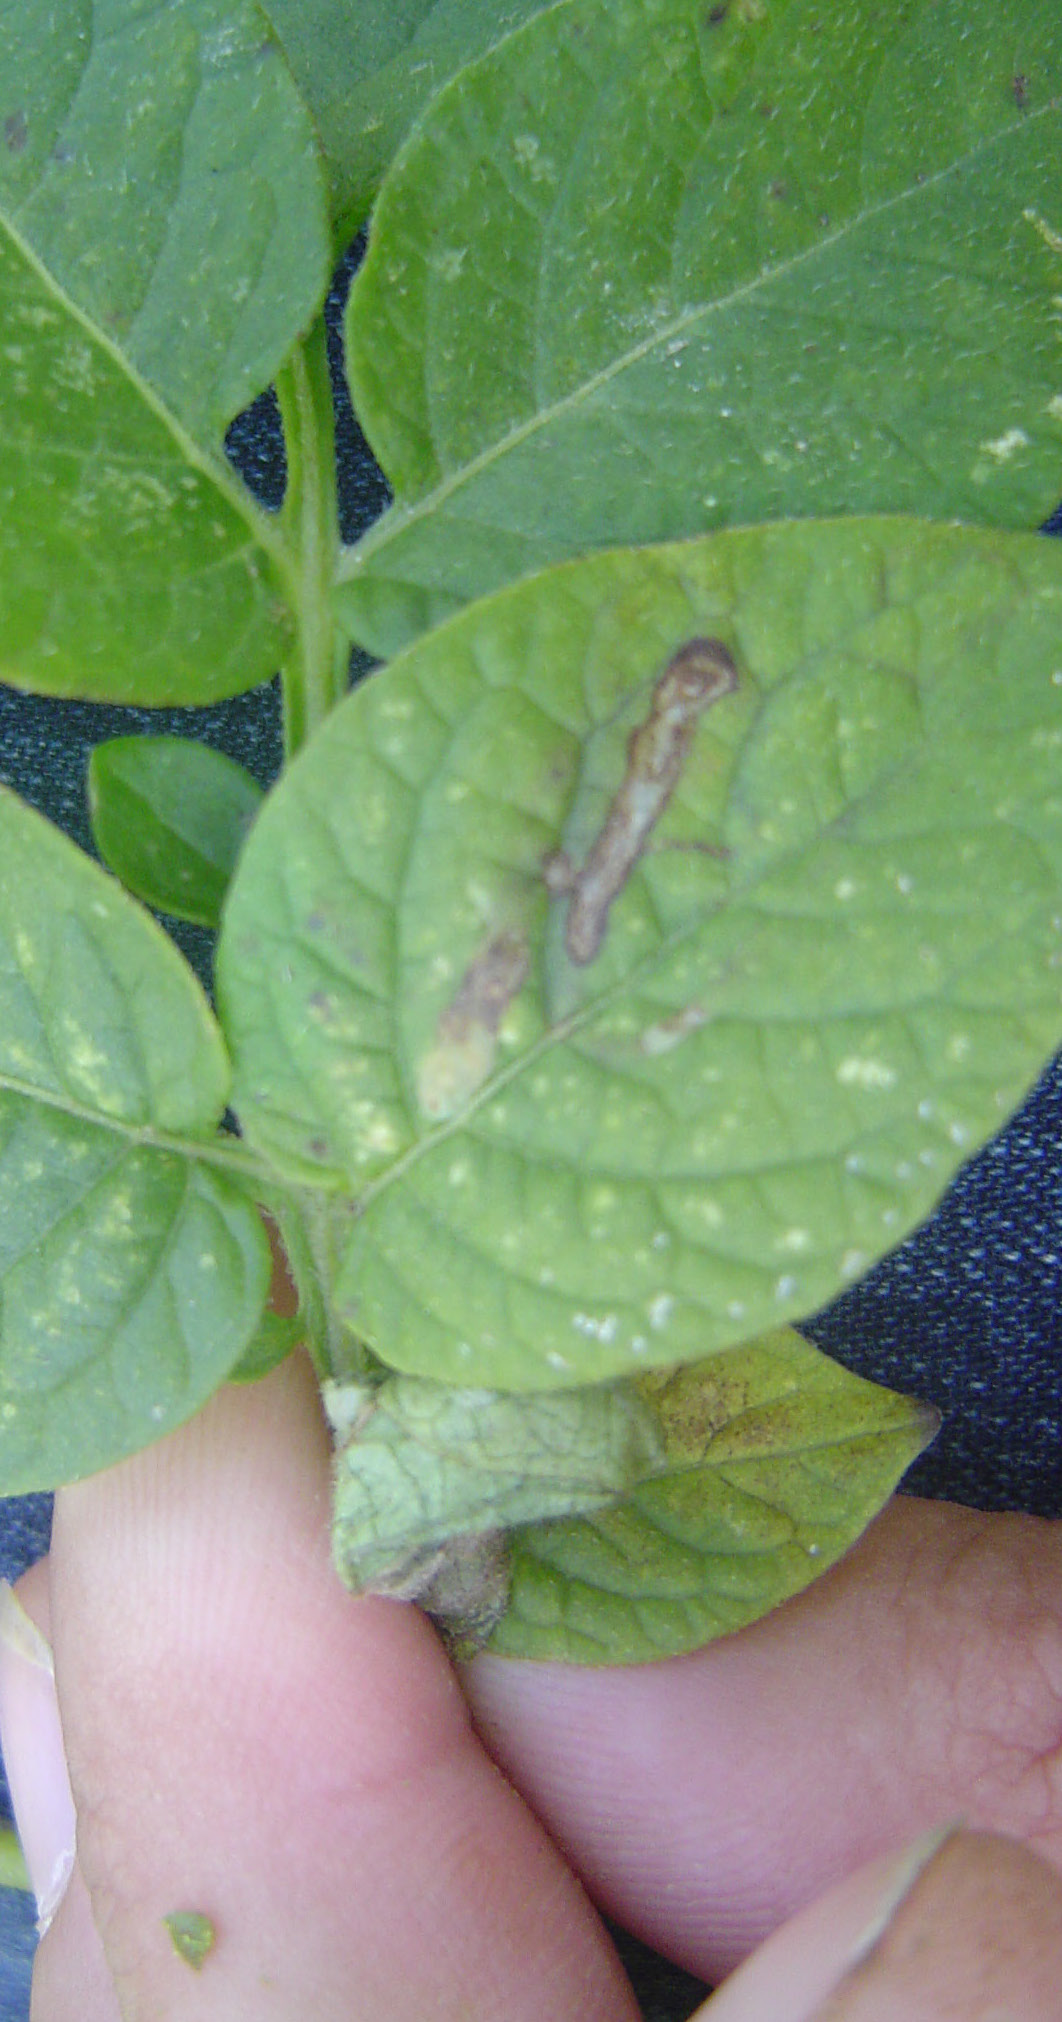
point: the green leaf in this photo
(825, 981)
(421, 1463)
(161, 171)
(778, 1459)
(132, 1268)
(129, 571)
(163, 242)
(365, 82)
(642, 272)
(274, 1341)
(169, 818)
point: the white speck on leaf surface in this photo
(857, 1072)
(1004, 446)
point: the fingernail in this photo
(899, 1878)
(802, 1964)
(34, 1757)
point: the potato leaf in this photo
(128, 571)
(621, 1522)
(420, 1463)
(650, 268)
(366, 78)
(278, 1334)
(132, 1269)
(163, 242)
(169, 818)
(778, 1459)
(825, 972)
(160, 170)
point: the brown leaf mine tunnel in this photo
(467, 1031)
(699, 673)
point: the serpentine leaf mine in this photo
(699, 673)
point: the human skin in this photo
(246, 1739)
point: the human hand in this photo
(247, 1741)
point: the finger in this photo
(249, 1744)
(44, 1808)
(70, 1973)
(705, 1799)
(965, 1931)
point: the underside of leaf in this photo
(821, 967)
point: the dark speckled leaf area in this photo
(828, 967)
(132, 1272)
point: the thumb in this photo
(961, 1927)
(290, 1768)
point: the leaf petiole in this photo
(315, 674)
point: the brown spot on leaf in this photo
(670, 1032)
(692, 1405)
(467, 1031)
(16, 132)
(488, 987)
(699, 673)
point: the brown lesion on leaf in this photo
(16, 133)
(693, 1403)
(462, 1584)
(467, 1031)
(670, 1032)
(487, 988)
(697, 675)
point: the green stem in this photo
(315, 676)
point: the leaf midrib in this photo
(400, 517)
(235, 1158)
(586, 1014)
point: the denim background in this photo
(965, 1314)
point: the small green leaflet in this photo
(645, 270)
(133, 1269)
(169, 818)
(778, 1460)
(829, 975)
